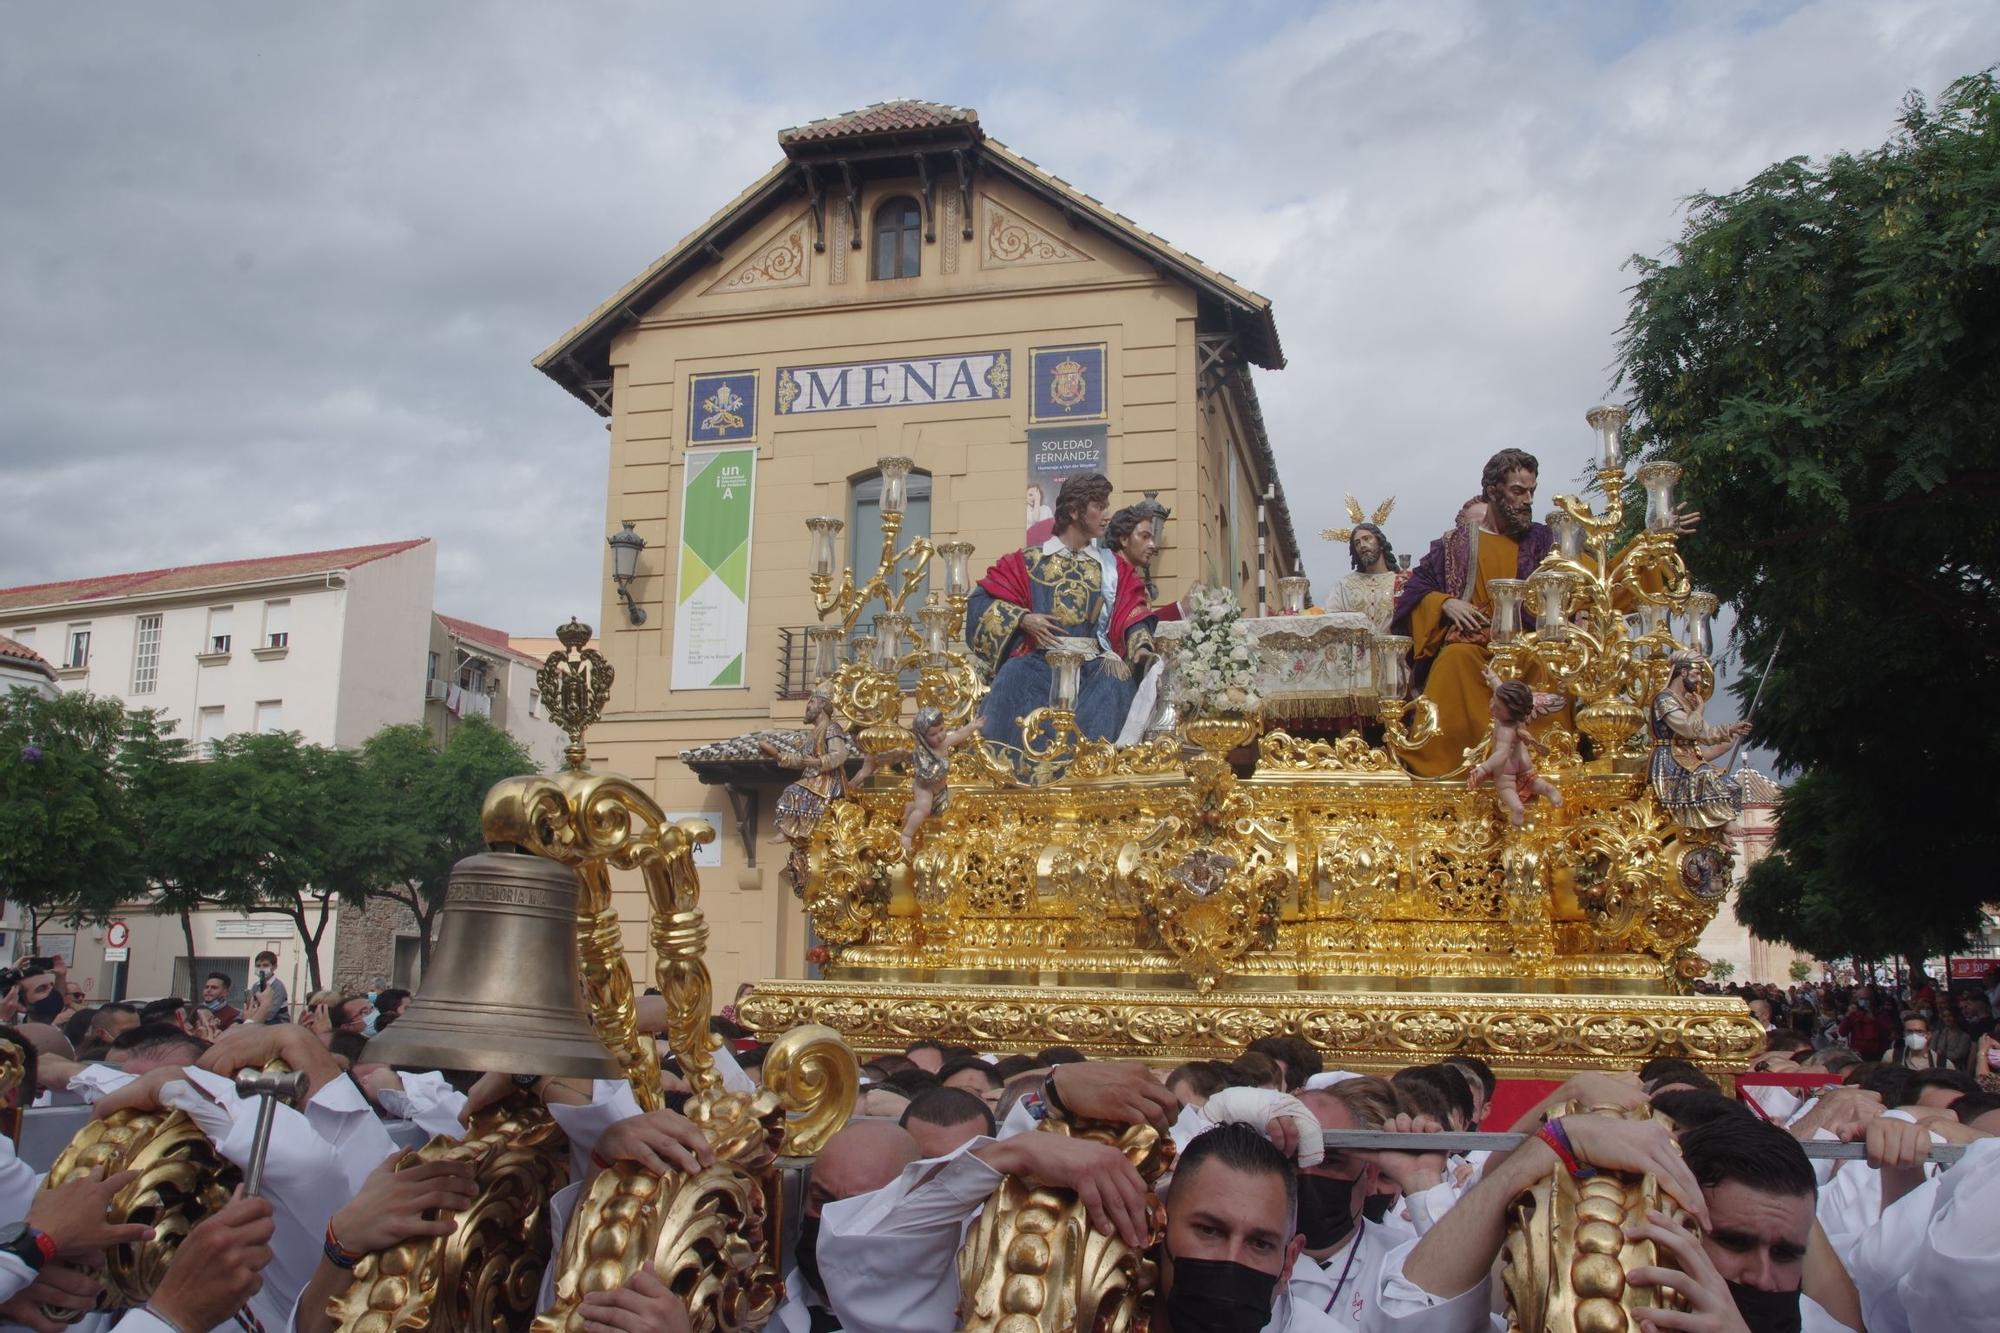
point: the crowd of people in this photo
(1257, 1225)
(1919, 1026)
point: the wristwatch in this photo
(30, 1245)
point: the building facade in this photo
(1728, 940)
(333, 645)
(898, 284)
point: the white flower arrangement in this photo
(1215, 665)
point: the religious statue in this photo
(929, 757)
(822, 759)
(1372, 588)
(1686, 782)
(1445, 605)
(1511, 764)
(1135, 532)
(1069, 593)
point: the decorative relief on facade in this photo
(837, 243)
(781, 263)
(949, 227)
(1014, 242)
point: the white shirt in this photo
(426, 1100)
(1954, 1282)
(1401, 1306)
(15, 1275)
(98, 1080)
(1345, 1284)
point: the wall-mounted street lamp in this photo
(625, 548)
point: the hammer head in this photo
(289, 1088)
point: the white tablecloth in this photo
(1308, 666)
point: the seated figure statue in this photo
(1445, 606)
(1070, 593)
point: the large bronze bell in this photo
(501, 992)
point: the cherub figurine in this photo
(1511, 765)
(930, 789)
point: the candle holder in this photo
(1292, 593)
(861, 650)
(825, 641)
(1549, 589)
(890, 631)
(895, 471)
(1609, 423)
(937, 620)
(1569, 534)
(850, 599)
(1505, 625)
(823, 553)
(1390, 657)
(1701, 609)
(1659, 478)
(1059, 715)
(1065, 678)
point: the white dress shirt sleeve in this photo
(1955, 1282)
(428, 1101)
(340, 1114)
(18, 1183)
(1404, 1307)
(890, 1258)
(562, 1207)
(611, 1100)
(15, 1276)
(94, 1081)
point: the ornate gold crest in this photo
(1067, 386)
(1356, 514)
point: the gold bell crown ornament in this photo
(502, 991)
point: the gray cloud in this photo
(273, 276)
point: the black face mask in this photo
(1218, 1296)
(1376, 1207)
(1767, 1311)
(1326, 1211)
(806, 1255)
(48, 1006)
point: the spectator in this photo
(1914, 1051)
(1295, 1056)
(1051, 1056)
(1253, 1069)
(172, 1009)
(926, 1055)
(268, 1002)
(941, 1119)
(215, 990)
(153, 1045)
(1484, 1084)
(1940, 1088)
(37, 997)
(390, 1004)
(1196, 1081)
(1008, 1068)
(1953, 1041)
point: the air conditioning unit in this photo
(434, 689)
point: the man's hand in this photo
(1111, 1190)
(1897, 1145)
(1464, 615)
(73, 1214)
(1412, 1172)
(201, 1022)
(1711, 1309)
(660, 1141)
(642, 1305)
(11, 1007)
(1684, 523)
(1041, 630)
(1843, 1112)
(219, 1266)
(1638, 1146)
(1122, 1092)
(57, 1285)
(254, 1045)
(142, 1093)
(258, 1007)
(394, 1205)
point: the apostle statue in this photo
(1371, 589)
(1445, 606)
(1070, 593)
(1686, 782)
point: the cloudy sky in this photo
(271, 275)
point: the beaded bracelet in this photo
(337, 1254)
(1557, 1138)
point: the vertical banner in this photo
(712, 606)
(1055, 455)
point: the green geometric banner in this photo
(712, 616)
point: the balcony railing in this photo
(795, 678)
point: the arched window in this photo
(864, 526)
(899, 239)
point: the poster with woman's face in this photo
(1054, 456)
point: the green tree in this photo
(433, 802)
(170, 809)
(1722, 969)
(1800, 970)
(1820, 352)
(67, 847)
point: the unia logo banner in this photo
(712, 605)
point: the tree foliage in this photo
(434, 799)
(1820, 352)
(68, 848)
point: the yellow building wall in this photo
(973, 296)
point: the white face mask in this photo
(1915, 1041)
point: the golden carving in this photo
(817, 1079)
(1566, 1259)
(1032, 1263)
(182, 1179)
(782, 262)
(487, 1273)
(1014, 242)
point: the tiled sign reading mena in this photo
(918, 381)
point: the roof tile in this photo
(21, 652)
(879, 118)
(182, 578)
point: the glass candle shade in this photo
(957, 557)
(1701, 609)
(936, 620)
(825, 641)
(1292, 594)
(825, 531)
(1609, 423)
(1065, 678)
(895, 482)
(1392, 665)
(891, 629)
(862, 650)
(1548, 590)
(1653, 621)
(1659, 479)
(1569, 535)
(1506, 621)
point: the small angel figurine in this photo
(930, 760)
(1511, 765)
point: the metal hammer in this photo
(270, 1088)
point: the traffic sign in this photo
(117, 935)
